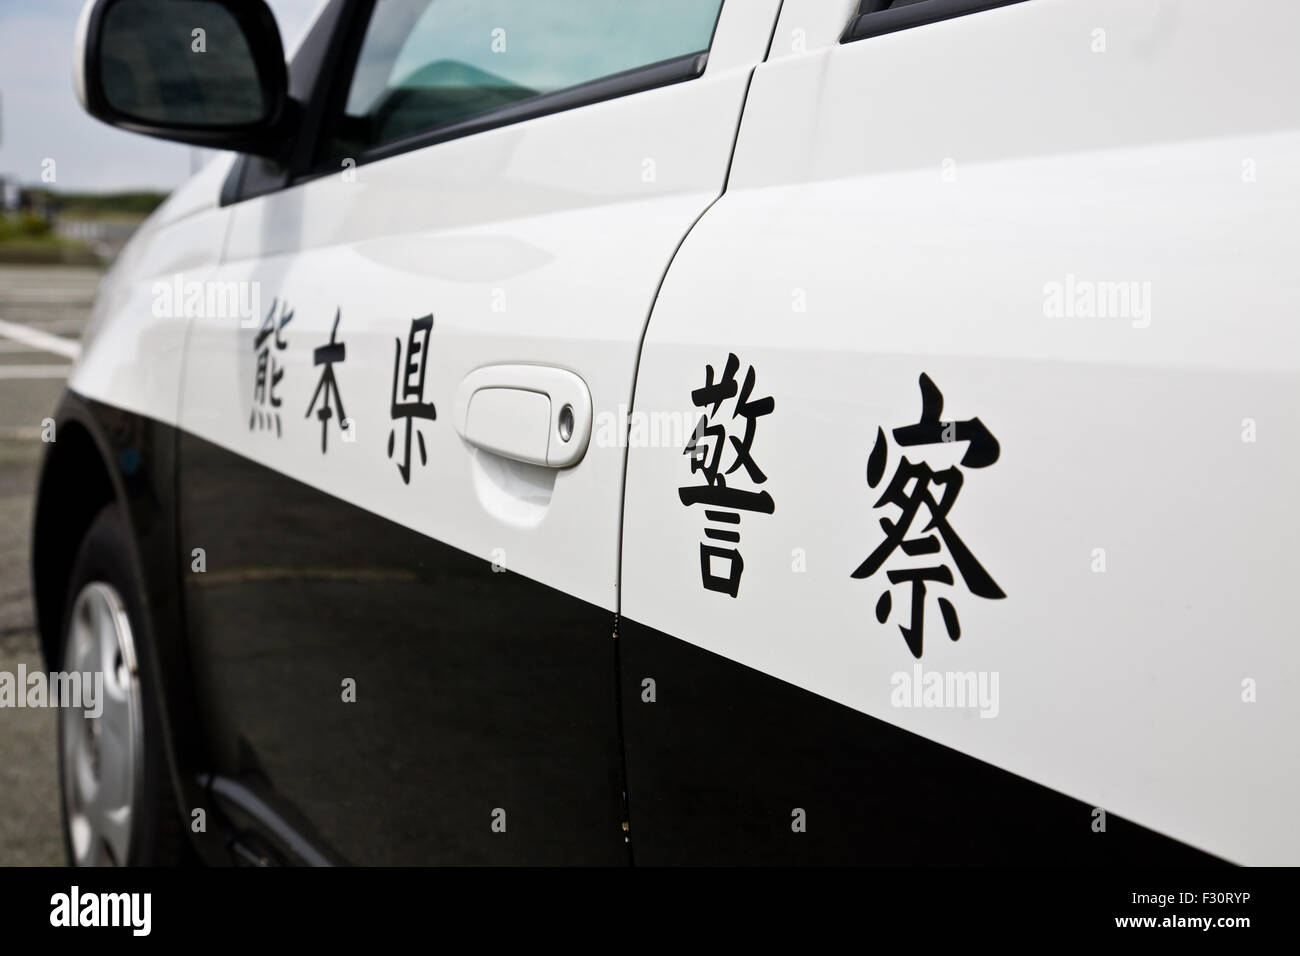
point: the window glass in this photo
(428, 64)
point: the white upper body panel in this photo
(541, 242)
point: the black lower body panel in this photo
(391, 696)
(720, 762)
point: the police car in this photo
(689, 432)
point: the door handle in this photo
(531, 413)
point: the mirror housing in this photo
(204, 72)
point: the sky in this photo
(41, 119)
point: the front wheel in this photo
(118, 808)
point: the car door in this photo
(991, 392)
(401, 488)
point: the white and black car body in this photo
(785, 298)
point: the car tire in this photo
(117, 801)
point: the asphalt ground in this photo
(54, 300)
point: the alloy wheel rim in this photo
(102, 756)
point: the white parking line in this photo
(39, 340)
(34, 371)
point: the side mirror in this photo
(204, 72)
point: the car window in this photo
(426, 65)
(877, 17)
